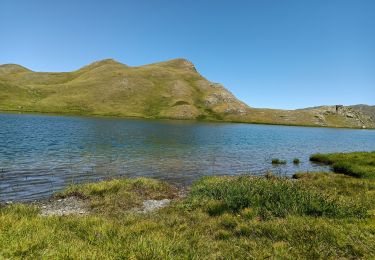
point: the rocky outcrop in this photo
(352, 116)
(223, 101)
(366, 110)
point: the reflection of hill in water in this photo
(42, 154)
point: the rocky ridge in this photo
(348, 113)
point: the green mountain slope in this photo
(171, 89)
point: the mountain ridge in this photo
(172, 89)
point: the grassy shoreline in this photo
(356, 164)
(318, 216)
(92, 115)
(314, 215)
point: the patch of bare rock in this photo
(80, 207)
(65, 206)
(153, 205)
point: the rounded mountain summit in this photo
(171, 89)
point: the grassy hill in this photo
(171, 89)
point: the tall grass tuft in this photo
(356, 164)
(272, 197)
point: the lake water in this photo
(42, 154)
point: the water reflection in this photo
(42, 154)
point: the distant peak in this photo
(12, 68)
(105, 61)
(11, 65)
(179, 63)
(180, 60)
(100, 63)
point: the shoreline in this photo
(5, 111)
(315, 215)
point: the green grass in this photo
(356, 164)
(278, 161)
(315, 216)
(116, 196)
(274, 197)
(341, 185)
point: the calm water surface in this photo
(40, 155)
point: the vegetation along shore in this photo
(314, 215)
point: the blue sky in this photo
(269, 53)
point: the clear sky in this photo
(269, 53)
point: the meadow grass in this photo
(341, 185)
(276, 197)
(119, 195)
(315, 216)
(356, 164)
